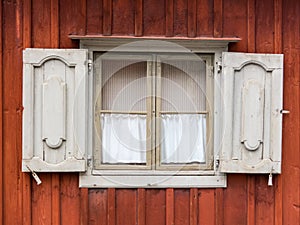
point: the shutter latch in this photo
(35, 176)
(90, 64)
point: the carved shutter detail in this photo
(55, 103)
(252, 90)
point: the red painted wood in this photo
(235, 200)
(138, 18)
(234, 14)
(107, 17)
(180, 22)
(207, 207)
(192, 18)
(70, 199)
(154, 17)
(155, 206)
(182, 209)
(205, 18)
(169, 18)
(264, 26)
(123, 17)
(97, 214)
(218, 18)
(126, 206)
(264, 17)
(94, 17)
(169, 206)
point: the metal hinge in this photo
(219, 66)
(90, 65)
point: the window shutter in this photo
(55, 110)
(252, 86)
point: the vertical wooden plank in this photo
(208, 211)
(70, 199)
(126, 199)
(218, 18)
(251, 26)
(54, 24)
(169, 18)
(180, 19)
(41, 32)
(1, 112)
(291, 125)
(12, 42)
(111, 206)
(193, 206)
(278, 26)
(251, 200)
(41, 201)
(107, 17)
(154, 17)
(205, 18)
(72, 20)
(27, 23)
(97, 207)
(84, 206)
(181, 206)
(264, 26)
(278, 211)
(155, 206)
(55, 199)
(123, 17)
(235, 16)
(235, 199)
(264, 201)
(219, 206)
(94, 17)
(192, 18)
(138, 19)
(141, 203)
(169, 206)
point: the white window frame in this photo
(156, 178)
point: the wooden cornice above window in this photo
(155, 43)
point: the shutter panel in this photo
(55, 110)
(252, 86)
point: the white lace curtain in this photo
(183, 138)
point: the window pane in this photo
(183, 138)
(124, 85)
(123, 138)
(183, 86)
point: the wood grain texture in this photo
(291, 126)
(138, 18)
(123, 17)
(84, 206)
(154, 17)
(155, 206)
(207, 199)
(192, 18)
(170, 206)
(170, 18)
(1, 112)
(181, 206)
(218, 18)
(141, 204)
(205, 18)
(250, 200)
(180, 23)
(126, 206)
(94, 17)
(111, 206)
(107, 17)
(97, 214)
(193, 206)
(251, 26)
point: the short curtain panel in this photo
(183, 138)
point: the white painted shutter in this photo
(252, 86)
(55, 110)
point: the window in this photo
(151, 113)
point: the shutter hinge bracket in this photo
(90, 65)
(219, 66)
(35, 176)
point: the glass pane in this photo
(123, 138)
(183, 138)
(124, 86)
(183, 86)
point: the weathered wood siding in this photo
(265, 26)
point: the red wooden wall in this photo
(268, 26)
